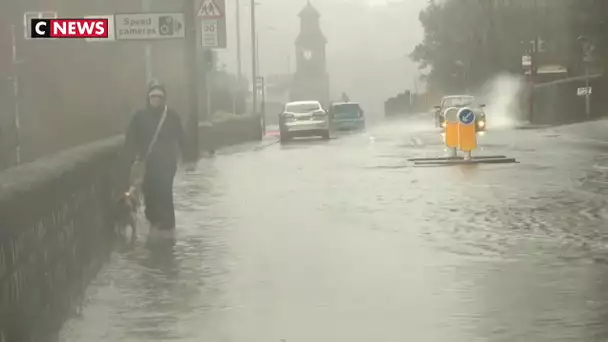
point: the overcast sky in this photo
(366, 45)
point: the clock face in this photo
(307, 54)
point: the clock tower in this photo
(311, 81)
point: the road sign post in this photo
(467, 133)
(254, 63)
(192, 74)
(584, 91)
(209, 10)
(209, 33)
(212, 14)
(451, 129)
(260, 86)
(146, 26)
(588, 58)
(526, 61)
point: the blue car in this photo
(347, 116)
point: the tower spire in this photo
(309, 11)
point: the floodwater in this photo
(343, 240)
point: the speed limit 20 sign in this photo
(210, 34)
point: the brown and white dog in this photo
(126, 209)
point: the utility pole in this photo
(192, 71)
(534, 63)
(239, 63)
(254, 74)
(257, 53)
(16, 114)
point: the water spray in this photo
(502, 98)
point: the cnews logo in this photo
(69, 28)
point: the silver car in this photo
(460, 101)
(303, 119)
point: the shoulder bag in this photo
(138, 169)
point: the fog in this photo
(368, 44)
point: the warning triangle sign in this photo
(209, 10)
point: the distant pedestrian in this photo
(345, 98)
(153, 138)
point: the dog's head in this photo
(127, 202)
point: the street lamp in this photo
(257, 43)
(254, 64)
(262, 92)
(239, 65)
(147, 7)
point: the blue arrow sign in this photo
(466, 116)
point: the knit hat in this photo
(156, 92)
(156, 88)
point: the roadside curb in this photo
(530, 127)
(590, 131)
(265, 144)
(251, 146)
(583, 140)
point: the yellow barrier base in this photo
(455, 158)
(462, 161)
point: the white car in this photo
(460, 101)
(303, 119)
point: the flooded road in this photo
(342, 241)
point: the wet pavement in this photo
(343, 241)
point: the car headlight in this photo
(319, 114)
(289, 117)
(481, 123)
(443, 124)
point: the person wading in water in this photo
(154, 140)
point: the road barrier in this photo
(467, 131)
(451, 129)
(460, 134)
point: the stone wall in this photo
(56, 228)
(238, 130)
(54, 236)
(557, 102)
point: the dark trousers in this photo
(158, 198)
